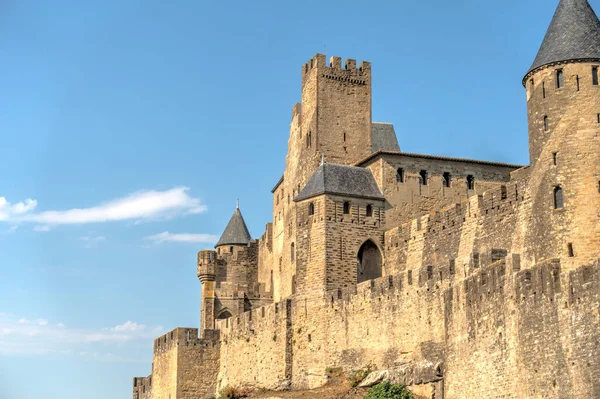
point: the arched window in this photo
(369, 210)
(546, 123)
(447, 179)
(470, 182)
(368, 262)
(400, 175)
(292, 252)
(560, 78)
(224, 315)
(558, 198)
(346, 208)
(311, 209)
(423, 175)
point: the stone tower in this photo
(563, 102)
(334, 118)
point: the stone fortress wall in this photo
(468, 278)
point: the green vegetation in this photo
(387, 390)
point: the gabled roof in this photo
(384, 137)
(341, 180)
(236, 232)
(574, 34)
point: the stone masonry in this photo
(459, 278)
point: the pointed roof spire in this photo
(236, 232)
(574, 34)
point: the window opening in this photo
(470, 182)
(560, 78)
(293, 253)
(423, 175)
(400, 175)
(545, 122)
(346, 208)
(369, 210)
(558, 198)
(595, 76)
(571, 251)
(446, 179)
(311, 209)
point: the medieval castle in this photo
(474, 279)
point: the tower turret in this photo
(236, 234)
(207, 273)
(563, 103)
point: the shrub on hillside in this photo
(356, 376)
(386, 390)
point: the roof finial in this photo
(237, 204)
(322, 158)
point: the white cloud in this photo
(20, 336)
(91, 241)
(140, 206)
(8, 211)
(165, 236)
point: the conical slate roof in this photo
(236, 232)
(574, 34)
(342, 180)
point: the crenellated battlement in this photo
(207, 266)
(184, 337)
(142, 387)
(333, 70)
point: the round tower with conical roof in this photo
(235, 235)
(563, 103)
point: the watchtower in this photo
(563, 103)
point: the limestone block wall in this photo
(253, 348)
(185, 366)
(142, 387)
(408, 198)
(500, 333)
(564, 146)
(460, 234)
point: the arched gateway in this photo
(369, 262)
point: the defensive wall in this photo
(529, 333)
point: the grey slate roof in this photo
(384, 137)
(574, 34)
(236, 232)
(342, 180)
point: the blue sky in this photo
(129, 128)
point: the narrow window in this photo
(598, 118)
(595, 76)
(400, 175)
(231, 249)
(544, 89)
(309, 140)
(546, 123)
(560, 78)
(293, 253)
(554, 157)
(531, 82)
(470, 182)
(311, 209)
(409, 277)
(344, 137)
(369, 210)
(577, 79)
(571, 251)
(288, 199)
(446, 179)
(558, 198)
(423, 174)
(346, 208)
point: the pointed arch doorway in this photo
(369, 262)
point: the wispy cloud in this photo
(139, 206)
(21, 336)
(92, 241)
(165, 236)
